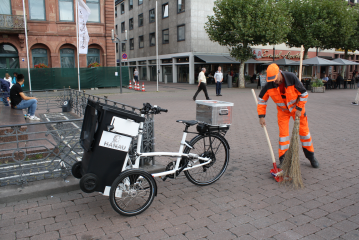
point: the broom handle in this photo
(266, 132)
(301, 63)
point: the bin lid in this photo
(215, 103)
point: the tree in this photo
(320, 24)
(344, 20)
(241, 24)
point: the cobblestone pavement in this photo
(246, 203)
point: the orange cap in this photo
(272, 72)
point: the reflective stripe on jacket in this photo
(295, 95)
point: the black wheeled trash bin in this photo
(106, 135)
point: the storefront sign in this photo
(287, 55)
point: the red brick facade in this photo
(54, 35)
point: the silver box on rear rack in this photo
(214, 112)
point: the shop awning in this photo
(217, 59)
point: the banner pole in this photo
(77, 42)
(27, 45)
(157, 61)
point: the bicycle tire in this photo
(220, 155)
(127, 185)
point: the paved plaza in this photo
(246, 203)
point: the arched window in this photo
(9, 57)
(39, 55)
(93, 55)
(67, 58)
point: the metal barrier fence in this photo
(49, 148)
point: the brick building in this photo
(51, 30)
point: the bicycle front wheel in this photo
(219, 153)
(132, 192)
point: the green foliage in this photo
(317, 83)
(321, 24)
(240, 24)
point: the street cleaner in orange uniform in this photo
(289, 94)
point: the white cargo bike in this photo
(203, 160)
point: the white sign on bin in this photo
(124, 126)
(115, 141)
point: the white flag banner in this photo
(83, 14)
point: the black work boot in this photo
(310, 156)
(314, 162)
(281, 159)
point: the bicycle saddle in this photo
(188, 122)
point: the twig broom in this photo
(291, 166)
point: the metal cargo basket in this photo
(214, 112)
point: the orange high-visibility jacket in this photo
(295, 95)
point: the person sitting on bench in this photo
(5, 89)
(20, 101)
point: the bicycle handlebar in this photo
(148, 108)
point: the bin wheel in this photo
(76, 170)
(132, 192)
(88, 182)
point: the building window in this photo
(116, 30)
(140, 20)
(39, 55)
(94, 6)
(181, 6)
(130, 24)
(152, 15)
(165, 10)
(181, 33)
(140, 42)
(115, 11)
(122, 8)
(123, 47)
(165, 36)
(132, 44)
(123, 28)
(117, 47)
(130, 5)
(152, 39)
(66, 9)
(37, 9)
(9, 57)
(67, 56)
(140, 2)
(93, 55)
(5, 7)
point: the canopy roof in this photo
(344, 61)
(217, 59)
(282, 62)
(317, 61)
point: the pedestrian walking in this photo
(218, 78)
(135, 75)
(201, 85)
(288, 93)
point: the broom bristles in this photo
(291, 166)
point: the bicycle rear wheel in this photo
(219, 153)
(132, 192)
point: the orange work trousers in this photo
(304, 134)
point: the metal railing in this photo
(15, 22)
(48, 149)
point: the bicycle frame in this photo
(179, 155)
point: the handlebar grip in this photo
(163, 110)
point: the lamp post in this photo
(115, 39)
